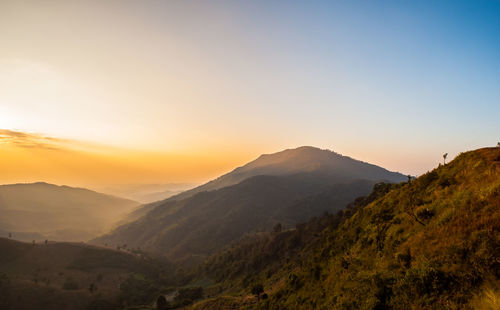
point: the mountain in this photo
(432, 243)
(145, 193)
(273, 189)
(304, 159)
(45, 211)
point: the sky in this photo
(166, 91)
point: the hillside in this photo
(275, 188)
(200, 225)
(45, 211)
(432, 243)
(76, 276)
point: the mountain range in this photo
(426, 243)
(39, 211)
(273, 189)
(145, 193)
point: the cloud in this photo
(31, 140)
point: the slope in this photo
(252, 198)
(200, 225)
(58, 212)
(72, 276)
(429, 244)
(304, 159)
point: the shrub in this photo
(189, 293)
(70, 285)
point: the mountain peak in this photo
(303, 159)
(301, 150)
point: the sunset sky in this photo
(104, 92)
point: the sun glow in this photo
(26, 157)
(234, 82)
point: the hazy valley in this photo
(41, 211)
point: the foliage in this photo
(4, 291)
(162, 303)
(191, 229)
(487, 299)
(429, 243)
(257, 289)
(94, 258)
(137, 290)
(191, 293)
(70, 284)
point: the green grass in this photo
(428, 244)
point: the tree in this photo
(444, 158)
(412, 204)
(277, 228)
(5, 289)
(162, 303)
(137, 290)
(257, 289)
(10, 235)
(498, 144)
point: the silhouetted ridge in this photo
(299, 160)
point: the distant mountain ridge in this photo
(56, 212)
(299, 160)
(145, 192)
(272, 189)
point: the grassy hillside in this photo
(59, 213)
(432, 243)
(193, 228)
(77, 276)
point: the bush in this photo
(189, 293)
(137, 290)
(425, 214)
(162, 303)
(70, 285)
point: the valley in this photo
(42, 211)
(319, 244)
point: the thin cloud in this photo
(30, 140)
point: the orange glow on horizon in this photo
(26, 158)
